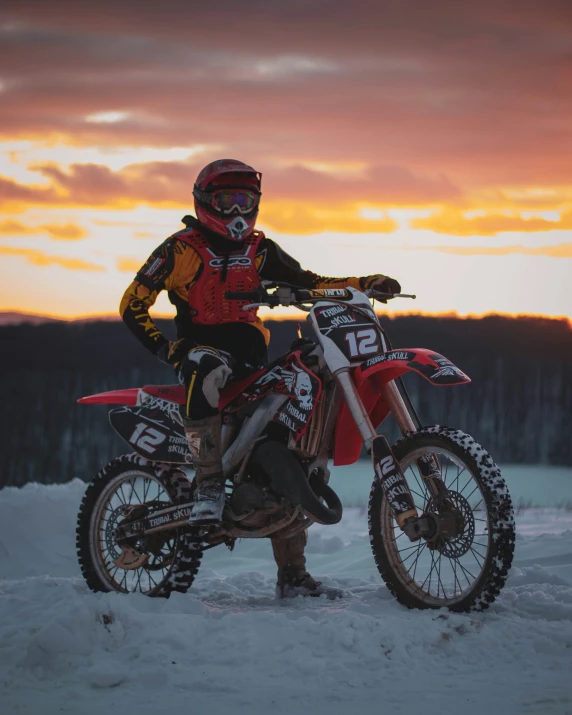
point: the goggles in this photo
(228, 200)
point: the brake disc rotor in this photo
(456, 524)
(129, 555)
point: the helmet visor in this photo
(242, 201)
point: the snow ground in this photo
(229, 646)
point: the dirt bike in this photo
(441, 521)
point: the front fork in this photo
(385, 466)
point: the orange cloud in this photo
(296, 199)
(129, 265)
(61, 232)
(143, 234)
(306, 219)
(38, 258)
(560, 250)
(454, 222)
(169, 183)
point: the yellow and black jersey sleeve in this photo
(274, 264)
(134, 309)
(173, 266)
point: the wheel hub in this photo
(134, 552)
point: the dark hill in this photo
(519, 404)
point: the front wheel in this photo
(467, 569)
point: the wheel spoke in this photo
(417, 494)
(414, 565)
(480, 563)
(420, 484)
(429, 574)
(453, 563)
(122, 500)
(415, 546)
(482, 546)
(134, 491)
(466, 571)
(471, 494)
(457, 479)
(407, 558)
(439, 577)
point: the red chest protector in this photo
(206, 296)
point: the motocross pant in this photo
(204, 372)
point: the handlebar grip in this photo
(252, 296)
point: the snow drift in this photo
(229, 645)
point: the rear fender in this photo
(136, 395)
(371, 377)
(128, 396)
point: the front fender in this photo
(435, 368)
(372, 375)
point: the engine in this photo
(254, 505)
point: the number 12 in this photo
(362, 342)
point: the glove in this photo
(172, 352)
(380, 283)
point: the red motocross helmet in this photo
(227, 194)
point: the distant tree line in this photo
(519, 404)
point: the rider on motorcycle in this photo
(221, 251)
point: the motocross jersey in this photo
(176, 266)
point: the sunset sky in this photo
(427, 140)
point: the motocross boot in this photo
(204, 438)
(293, 579)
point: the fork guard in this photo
(392, 480)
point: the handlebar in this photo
(286, 295)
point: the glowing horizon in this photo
(268, 315)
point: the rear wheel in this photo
(154, 565)
(467, 567)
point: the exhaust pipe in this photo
(288, 479)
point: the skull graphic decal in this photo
(300, 384)
(287, 377)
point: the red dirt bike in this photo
(441, 520)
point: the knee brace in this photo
(205, 372)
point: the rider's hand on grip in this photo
(381, 284)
